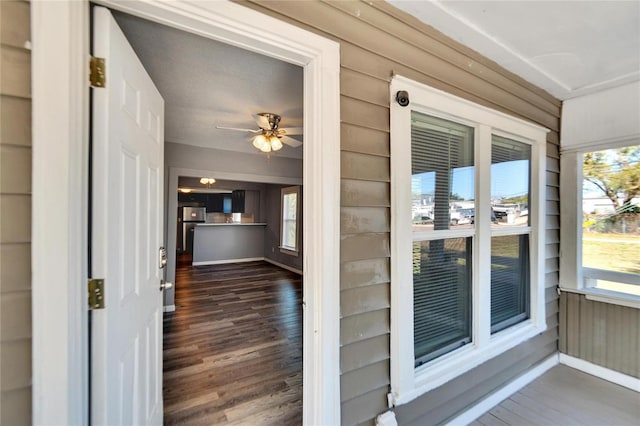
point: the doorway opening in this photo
(235, 311)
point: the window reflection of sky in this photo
(508, 179)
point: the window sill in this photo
(607, 296)
(289, 251)
(446, 368)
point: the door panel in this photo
(128, 126)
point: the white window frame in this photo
(408, 382)
(573, 276)
(283, 192)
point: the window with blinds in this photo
(442, 171)
(442, 183)
(510, 275)
(467, 236)
(509, 281)
(441, 297)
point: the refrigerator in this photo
(188, 217)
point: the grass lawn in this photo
(614, 252)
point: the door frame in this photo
(60, 34)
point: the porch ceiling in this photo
(569, 48)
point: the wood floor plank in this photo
(232, 350)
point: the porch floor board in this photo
(566, 396)
(232, 350)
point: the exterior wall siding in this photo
(600, 333)
(15, 213)
(376, 42)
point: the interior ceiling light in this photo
(185, 190)
(207, 181)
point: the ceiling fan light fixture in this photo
(260, 141)
(275, 143)
(207, 180)
(266, 147)
(269, 136)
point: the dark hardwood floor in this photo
(233, 348)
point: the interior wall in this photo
(15, 213)
(242, 166)
(376, 42)
(216, 160)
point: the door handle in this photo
(165, 285)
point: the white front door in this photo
(126, 234)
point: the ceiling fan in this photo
(269, 136)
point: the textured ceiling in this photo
(569, 48)
(206, 83)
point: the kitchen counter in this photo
(215, 243)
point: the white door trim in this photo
(60, 170)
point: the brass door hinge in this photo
(97, 74)
(96, 293)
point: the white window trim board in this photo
(60, 32)
(407, 382)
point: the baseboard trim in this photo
(221, 262)
(169, 308)
(283, 266)
(505, 392)
(604, 373)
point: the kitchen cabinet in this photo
(215, 203)
(201, 199)
(237, 201)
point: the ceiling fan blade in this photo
(290, 131)
(262, 121)
(238, 130)
(294, 143)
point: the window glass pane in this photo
(510, 182)
(442, 173)
(611, 214)
(441, 296)
(509, 280)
